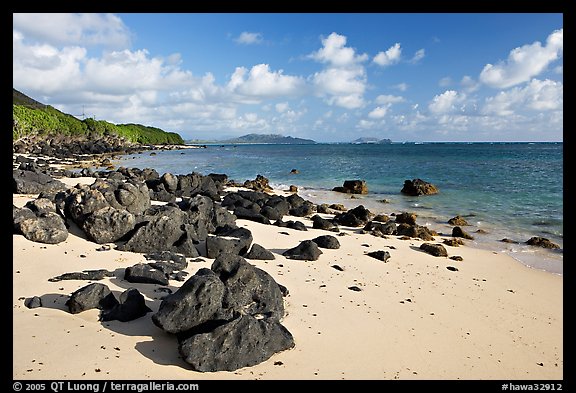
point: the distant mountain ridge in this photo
(371, 140)
(269, 138)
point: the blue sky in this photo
(330, 77)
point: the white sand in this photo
(494, 318)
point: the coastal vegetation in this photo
(32, 118)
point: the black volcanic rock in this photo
(307, 250)
(542, 242)
(108, 224)
(196, 302)
(327, 241)
(417, 187)
(260, 253)
(131, 306)
(28, 182)
(230, 240)
(242, 342)
(436, 250)
(93, 295)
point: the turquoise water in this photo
(510, 190)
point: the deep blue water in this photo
(510, 190)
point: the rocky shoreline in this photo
(176, 219)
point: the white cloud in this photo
(76, 29)
(419, 55)
(379, 112)
(389, 99)
(248, 38)
(335, 53)
(251, 117)
(343, 81)
(401, 86)
(45, 68)
(468, 84)
(524, 63)
(365, 124)
(445, 102)
(538, 95)
(261, 82)
(282, 107)
(390, 57)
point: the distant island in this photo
(370, 140)
(269, 138)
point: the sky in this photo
(330, 77)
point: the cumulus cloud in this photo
(344, 80)
(538, 95)
(248, 38)
(524, 62)
(76, 29)
(260, 81)
(335, 52)
(379, 112)
(445, 102)
(469, 84)
(389, 57)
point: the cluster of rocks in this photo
(225, 317)
(69, 146)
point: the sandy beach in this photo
(413, 318)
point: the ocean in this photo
(509, 190)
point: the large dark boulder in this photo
(419, 231)
(145, 273)
(29, 182)
(260, 253)
(249, 289)
(359, 216)
(248, 214)
(542, 242)
(43, 226)
(261, 183)
(93, 295)
(165, 229)
(82, 201)
(242, 342)
(307, 250)
(380, 229)
(131, 306)
(459, 232)
(322, 223)
(227, 239)
(108, 224)
(417, 187)
(327, 241)
(437, 250)
(353, 187)
(196, 302)
(406, 218)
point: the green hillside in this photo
(33, 118)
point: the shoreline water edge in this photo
(502, 199)
(194, 276)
